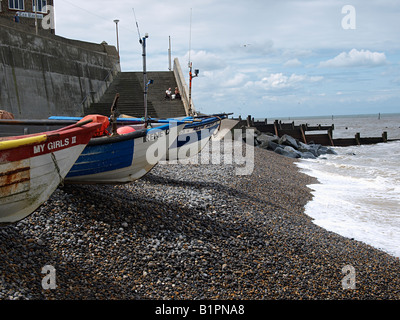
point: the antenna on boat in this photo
(196, 71)
(114, 115)
(142, 41)
(137, 25)
(190, 36)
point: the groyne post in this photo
(249, 123)
(358, 138)
(276, 128)
(384, 136)
(303, 133)
(330, 134)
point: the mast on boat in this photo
(145, 84)
(196, 71)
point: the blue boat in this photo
(124, 157)
(195, 135)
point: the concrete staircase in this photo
(129, 85)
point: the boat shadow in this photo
(126, 225)
(216, 187)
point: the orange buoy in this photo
(125, 130)
(98, 119)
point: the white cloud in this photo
(356, 58)
(279, 81)
(235, 81)
(274, 81)
(225, 78)
(264, 47)
(292, 63)
(252, 42)
(205, 60)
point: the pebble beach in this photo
(186, 232)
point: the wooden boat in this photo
(32, 166)
(194, 136)
(191, 139)
(118, 157)
(124, 157)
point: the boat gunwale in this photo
(21, 141)
(127, 136)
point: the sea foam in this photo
(358, 194)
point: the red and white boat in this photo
(32, 167)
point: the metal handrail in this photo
(91, 93)
(182, 86)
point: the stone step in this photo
(129, 85)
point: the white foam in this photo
(358, 195)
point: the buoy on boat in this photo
(98, 119)
(125, 130)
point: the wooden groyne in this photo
(308, 134)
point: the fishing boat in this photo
(124, 156)
(193, 138)
(118, 153)
(32, 166)
(197, 131)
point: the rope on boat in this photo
(219, 126)
(53, 157)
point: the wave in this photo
(358, 194)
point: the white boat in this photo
(191, 140)
(125, 157)
(194, 137)
(32, 167)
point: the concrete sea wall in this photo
(43, 75)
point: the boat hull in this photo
(192, 139)
(30, 173)
(124, 158)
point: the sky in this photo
(264, 58)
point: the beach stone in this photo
(322, 150)
(331, 151)
(314, 149)
(292, 150)
(308, 155)
(303, 147)
(273, 145)
(264, 140)
(288, 141)
(190, 232)
(287, 152)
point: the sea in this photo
(358, 194)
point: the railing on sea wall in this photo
(95, 96)
(182, 86)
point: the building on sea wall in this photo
(26, 12)
(42, 74)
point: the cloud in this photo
(263, 47)
(275, 47)
(205, 60)
(235, 81)
(279, 81)
(225, 78)
(292, 63)
(355, 58)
